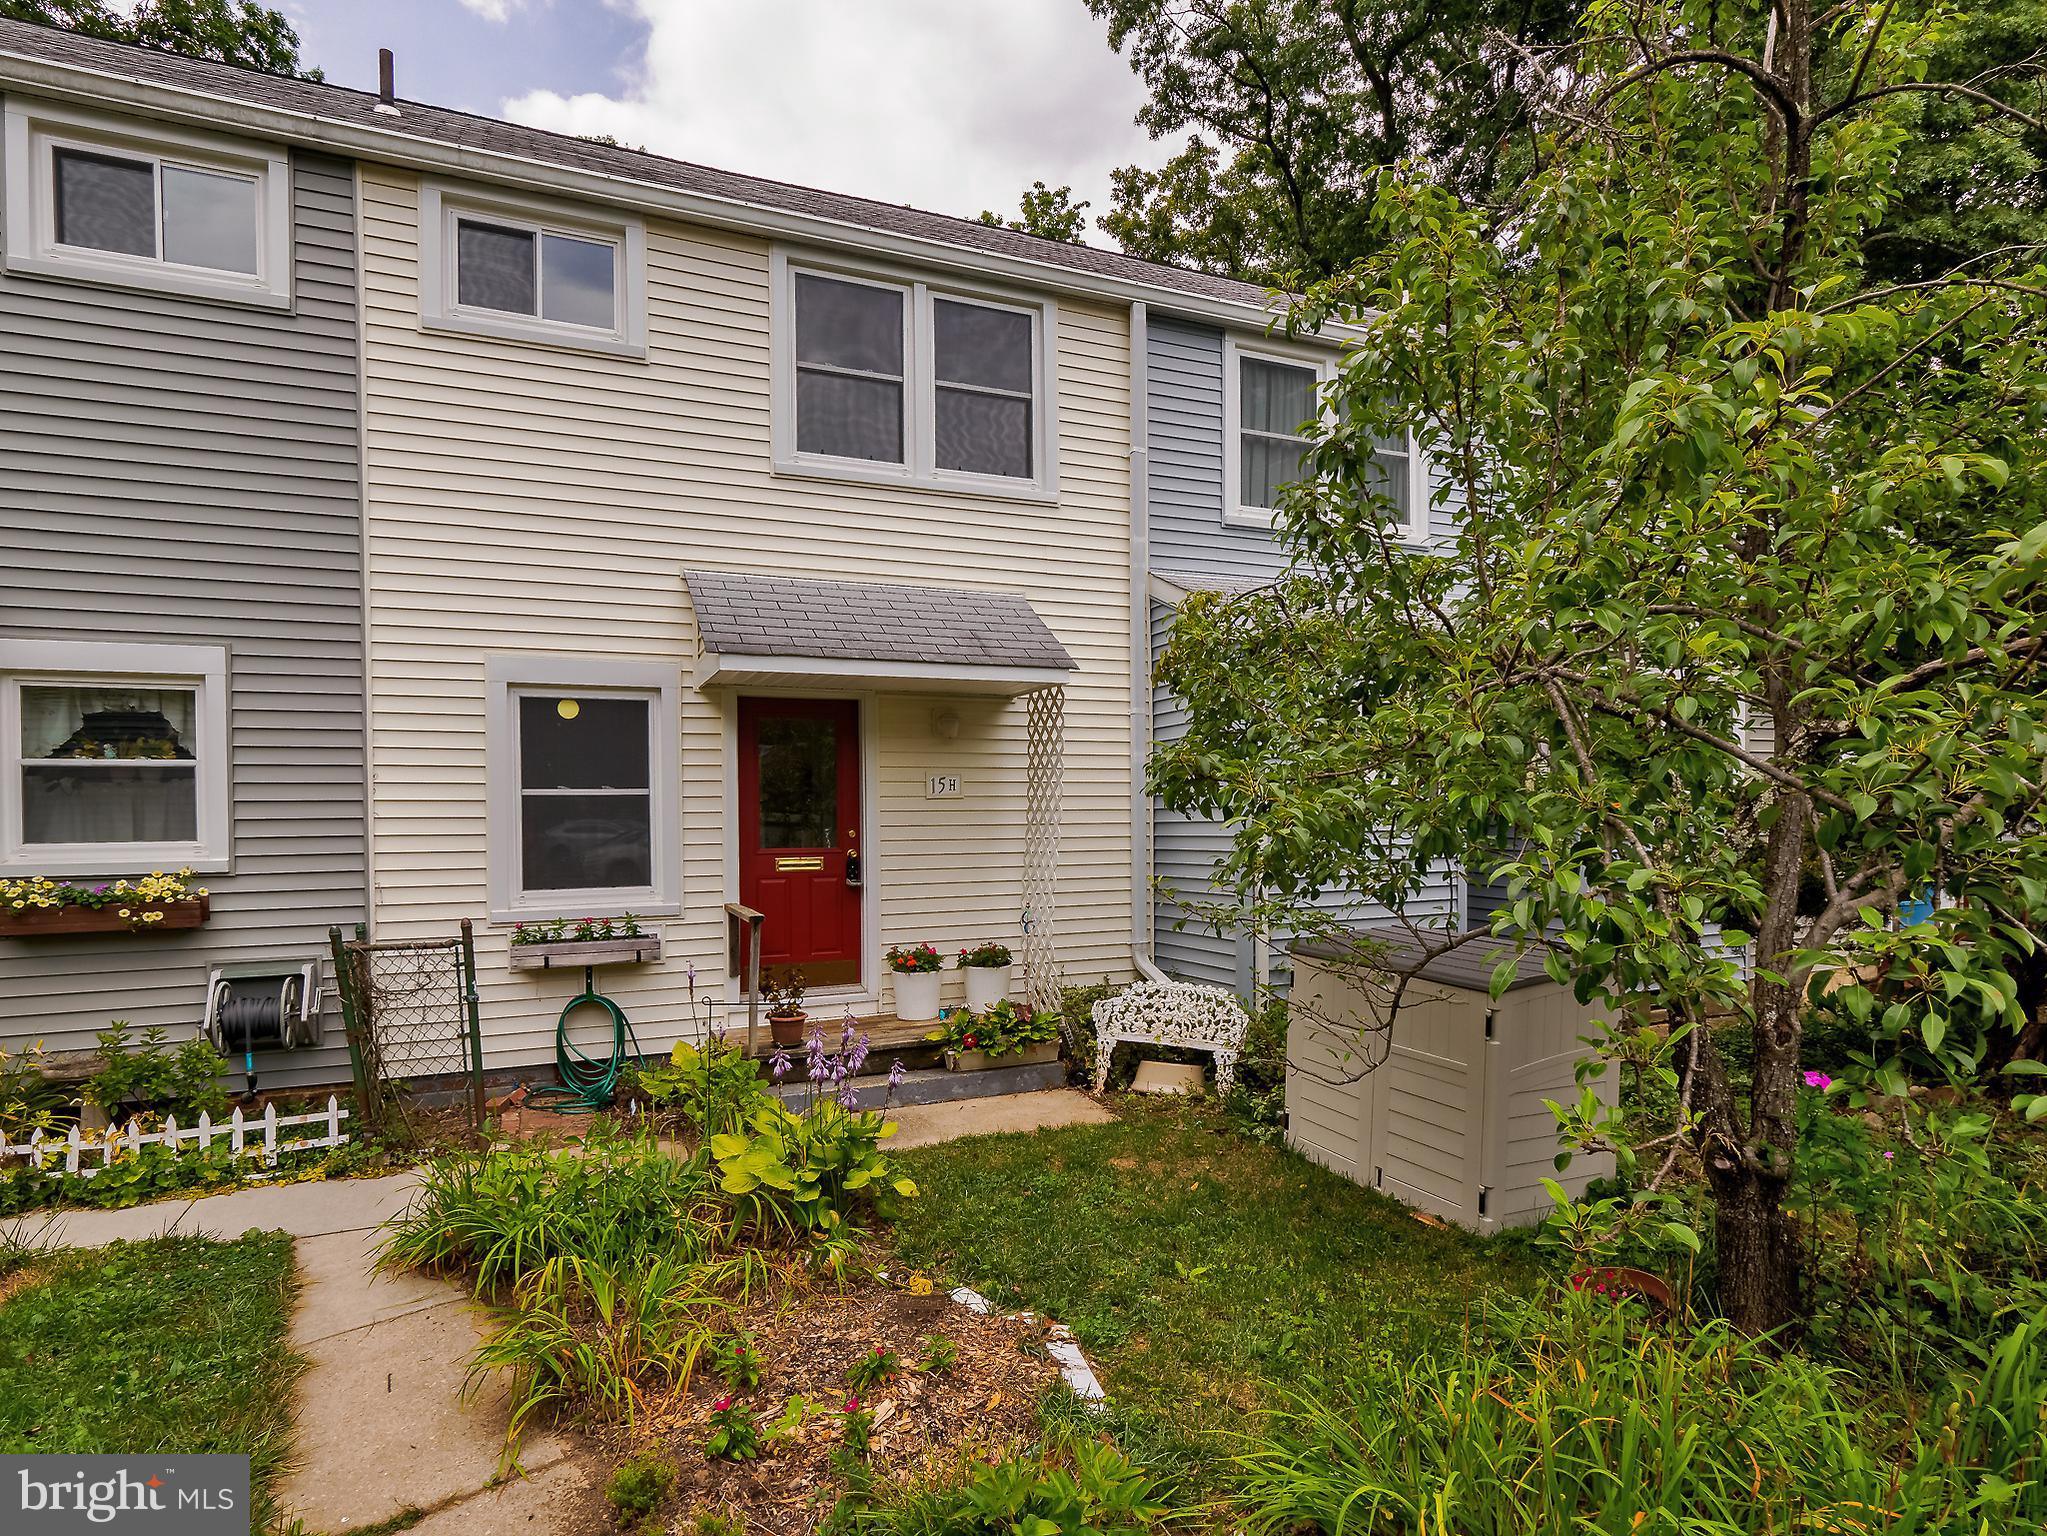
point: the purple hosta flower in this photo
(858, 1058)
(817, 1070)
(814, 1054)
(778, 1065)
(1817, 1080)
(849, 1096)
(848, 1027)
(896, 1073)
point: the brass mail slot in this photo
(810, 863)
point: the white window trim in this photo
(34, 132)
(441, 205)
(67, 663)
(510, 677)
(919, 468)
(1238, 515)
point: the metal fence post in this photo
(470, 1000)
(351, 1025)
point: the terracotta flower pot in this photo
(787, 1028)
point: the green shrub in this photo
(29, 1101)
(185, 1079)
(716, 1087)
(638, 1487)
(1002, 1029)
(502, 1216)
(1257, 1102)
(807, 1171)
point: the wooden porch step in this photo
(935, 1085)
(888, 1039)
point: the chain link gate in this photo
(409, 1007)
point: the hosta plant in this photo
(807, 1170)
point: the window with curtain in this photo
(586, 795)
(849, 369)
(1275, 403)
(107, 763)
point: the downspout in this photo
(1140, 644)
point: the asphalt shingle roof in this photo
(420, 120)
(869, 621)
(1469, 966)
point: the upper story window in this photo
(1270, 400)
(115, 757)
(94, 198)
(896, 380)
(530, 271)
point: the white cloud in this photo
(951, 105)
(492, 10)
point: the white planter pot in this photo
(987, 985)
(917, 995)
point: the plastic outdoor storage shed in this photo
(1452, 1121)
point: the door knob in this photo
(853, 870)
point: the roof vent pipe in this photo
(387, 82)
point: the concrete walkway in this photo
(924, 1125)
(382, 1429)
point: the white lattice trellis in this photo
(1044, 777)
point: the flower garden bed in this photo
(39, 906)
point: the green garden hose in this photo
(587, 1082)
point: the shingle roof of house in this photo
(740, 615)
(422, 121)
(1469, 966)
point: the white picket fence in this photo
(256, 1138)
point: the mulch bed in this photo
(923, 1423)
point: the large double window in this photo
(113, 758)
(584, 814)
(93, 198)
(1271, 400)
(893, 379)
(529, 270)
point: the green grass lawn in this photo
(174, 1344)
(1195, 1267)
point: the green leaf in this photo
(1678, 1232)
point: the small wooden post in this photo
(205, 1130)
(71, 1152)
(270, 1134)
(474, 1020)
(237, 1133)
(170, 1133)
(333, 1121)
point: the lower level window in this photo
(109, 773)
(584, 790)
(586, 798)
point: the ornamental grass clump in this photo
(1580, 1418)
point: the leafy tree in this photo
(1050, 213)
(1301, 106)
(1750, 579)
(229, 31)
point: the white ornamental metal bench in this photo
(1175, 1013)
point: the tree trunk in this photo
(1758, 1252)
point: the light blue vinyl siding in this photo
(1191, 545)
(187, 473)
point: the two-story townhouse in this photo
(181, 591)
(726, 543)
(1224, 411)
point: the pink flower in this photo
(853, 1402)
(722, 1404)
(1889, 1155)
(1817, 1080)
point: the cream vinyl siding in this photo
(524, 499)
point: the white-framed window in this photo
(585, 815)
(113, 757)
(531, 270)
(1271, 395)
(899, 379)
(106, 200)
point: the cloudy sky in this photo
(952, 105)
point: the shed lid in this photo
(1469, 965)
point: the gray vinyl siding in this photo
(1190, 543)
(186, 473)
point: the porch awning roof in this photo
(788, 630)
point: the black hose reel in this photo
(263, 1006)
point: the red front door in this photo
(799, 833)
